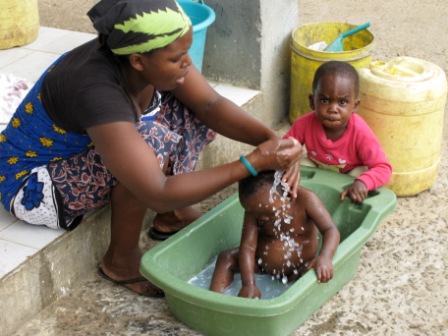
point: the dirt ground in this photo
(401, 285)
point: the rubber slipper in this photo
(157, 291)
(158, 235)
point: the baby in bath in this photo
(280, 236)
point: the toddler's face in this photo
(334, 101)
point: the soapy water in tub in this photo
(270, 286)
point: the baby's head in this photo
(254, 191)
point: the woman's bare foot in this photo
(173, 221)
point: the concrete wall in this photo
(248, 45)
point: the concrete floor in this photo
(377, 301)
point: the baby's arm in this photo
(330, 237)
(248, 248)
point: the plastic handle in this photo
(356, 29)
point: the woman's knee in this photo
(120, 196)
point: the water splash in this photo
(283, 219)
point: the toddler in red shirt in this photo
(338, 139)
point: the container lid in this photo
(405, 69)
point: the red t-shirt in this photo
(357, 147)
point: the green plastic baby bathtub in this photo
(172, 263)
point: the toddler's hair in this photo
(337, 68)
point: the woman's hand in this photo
(278, 154)
(292, 174)
(285, 151)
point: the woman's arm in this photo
(219, 113)
(133, 163)
(228, 119)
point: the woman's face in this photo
(166, 68)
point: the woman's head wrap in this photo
(138, 26)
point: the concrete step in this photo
(52, 271)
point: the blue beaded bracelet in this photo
(248, 165)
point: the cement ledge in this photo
(53, 271)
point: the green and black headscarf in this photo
(138, 26)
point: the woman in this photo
(106, 123)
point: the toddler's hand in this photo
(357, 192)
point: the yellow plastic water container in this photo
(403, 101)
(19, 22)
(358, 50)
